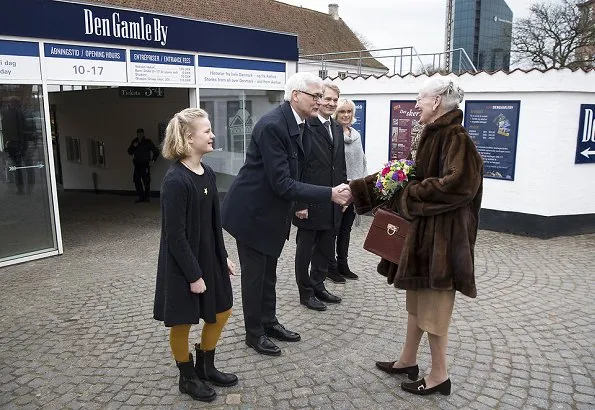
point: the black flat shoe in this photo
(326, 296)
(411, 371)
(419, 387)
(313, 303)
(263, 345)
(279, 332)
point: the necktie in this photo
(301, 127)
(327, 125)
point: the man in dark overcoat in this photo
(318, 223)
(258, 206)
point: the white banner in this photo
(161, 68)
(89, 64)
(19, 60)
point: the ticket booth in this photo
(77, 80)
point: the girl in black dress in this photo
(193, 273)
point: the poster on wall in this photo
(585, 144)
(404, 123)
(360, 120)
(493, 126)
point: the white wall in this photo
(547, 182)
(102, 115)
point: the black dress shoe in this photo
(279, 332)
(326, 296)
(344, 271)
(263, 345)
(411, 371)
(313, 303)
(335, 276)
(419, 387)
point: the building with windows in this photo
(483, 29)
(587, 53)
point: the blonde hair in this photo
(342, 102)
(175, 145)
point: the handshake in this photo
(341, 194)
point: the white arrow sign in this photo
(587, 152)
(42, 165)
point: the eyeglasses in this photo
(316, 97)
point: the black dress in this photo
(191, 247)
(213, 275)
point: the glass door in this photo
(26, 210)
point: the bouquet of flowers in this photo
(394, 175)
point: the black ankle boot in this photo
(191, 385)
(205, 369)
(343, 269)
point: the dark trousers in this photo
(142, 176)
(315, 250)
(259, 277)
(344, 236)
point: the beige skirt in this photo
(433, 309)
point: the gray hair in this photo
(329, 84)
(447, 88)
(300, 81)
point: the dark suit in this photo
(258, 207)
(316, 234)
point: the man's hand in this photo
(302, 214)
(231, 267)
(341, 194)
(198, 286)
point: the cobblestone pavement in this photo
(76, 331)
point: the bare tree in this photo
(555, 35)
(368, 45)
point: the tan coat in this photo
(443, 206)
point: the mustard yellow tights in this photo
(211, 332)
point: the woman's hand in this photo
(198, 286)
(231, 267)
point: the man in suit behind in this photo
(258, 206)
(318, 223)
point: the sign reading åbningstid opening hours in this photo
(66, 62)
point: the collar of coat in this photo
(452, 117)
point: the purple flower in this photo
(395, 176)
(409, 162)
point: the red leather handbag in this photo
(387, 234)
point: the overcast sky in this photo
(399, 23)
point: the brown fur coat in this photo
(443, 206)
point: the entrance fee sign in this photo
(81, 63)
(161, 68)
(585, 144)
(360, 120)
(493, 126)
(19, 60)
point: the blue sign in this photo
(360, 120)
(66, 21)
(84, 52)
(240, 64)
(151, 57)
(19, 48)
(585, 143)
(493, 126)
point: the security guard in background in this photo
(144, 153)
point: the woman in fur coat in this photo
(443, 204)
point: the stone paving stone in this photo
(85, 337)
